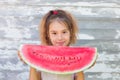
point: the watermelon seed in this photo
(68, 63)
(35, 53)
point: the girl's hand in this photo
(21, 57)
(93, 63)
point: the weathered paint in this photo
(99, 26)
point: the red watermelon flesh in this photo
(58, 59)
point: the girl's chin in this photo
(59, 45)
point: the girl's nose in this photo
(60, 36)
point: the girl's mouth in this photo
(60, 43)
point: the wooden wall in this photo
(99, 26)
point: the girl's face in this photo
(59, 34)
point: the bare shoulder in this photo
(79, 76)
(34, 74)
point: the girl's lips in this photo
(60, 43)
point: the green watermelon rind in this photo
(58, 72)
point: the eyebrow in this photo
(62, 30)
(52, 31)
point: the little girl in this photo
(57, 28)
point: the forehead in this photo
(57, 25)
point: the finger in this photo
(19, 54)
(21, 57)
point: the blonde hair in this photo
(61, 16)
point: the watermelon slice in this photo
(58, 59)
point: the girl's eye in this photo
(54, 33)
(64, 32)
